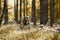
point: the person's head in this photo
(26, 17)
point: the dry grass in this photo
(14, 33)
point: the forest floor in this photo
(13, 32)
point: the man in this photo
(25, 22)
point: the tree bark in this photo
(26, 8)
(0, 7)
(51, 12)
(34, 12)
(20, 8)
(24, 11)
(0, 13)
(5, 12)
(46, 11)
(16, 10)
(20, 12)
(43, 11)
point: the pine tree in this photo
(51, 12)
(20, 11)
(20, 8)
(0, 13)
(43, 11)
(16, 10)
(26, 8)
(0, 7)
(24, 11)
(5, 12)
(46, 11)
(34, 12)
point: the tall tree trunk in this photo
(26, 8)
(16, 10)
(20, 8)
(59, 9)
(43, 11)
(5, 12)
(56, 10)
(0, 13)
(1, 18)
(20, 11)
(0, 7)
(34, 12)
(51, 12)
(24, 11)
(46, 11)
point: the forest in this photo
(29, 19)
